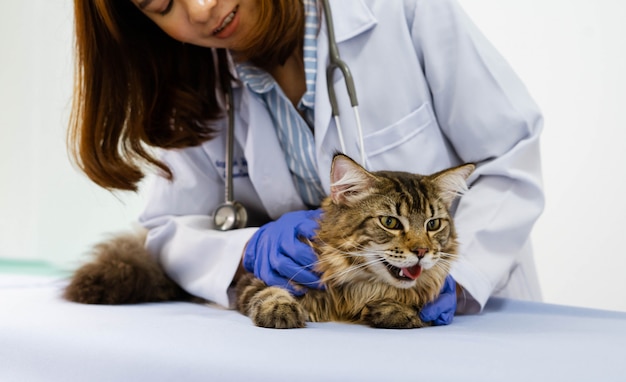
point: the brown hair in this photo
(137, 87)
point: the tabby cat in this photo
(385, 244)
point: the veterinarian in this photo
(433, 93)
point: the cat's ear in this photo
(452, 182)
(349, 181)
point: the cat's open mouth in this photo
(404, 274)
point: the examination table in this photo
(44, 338)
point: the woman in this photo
(433, 94)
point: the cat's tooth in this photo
(401, 274)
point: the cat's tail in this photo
(122, 272)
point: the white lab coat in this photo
(433, 93)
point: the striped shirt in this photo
(294, 132)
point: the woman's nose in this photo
(199, 11)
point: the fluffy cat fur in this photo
(122, 272)
(374, 226)
(385, 244)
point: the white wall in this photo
(572, 56)
(47, 209)
(570, 53)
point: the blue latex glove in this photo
(441, 311)
(276, 254)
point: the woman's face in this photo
(207, 23)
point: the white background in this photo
(570, 53)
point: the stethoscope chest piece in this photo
(230, 215)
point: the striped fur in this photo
(374, 228)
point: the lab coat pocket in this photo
(402, 131)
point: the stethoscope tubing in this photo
(231, 214)
(230, 145)
(335, 62)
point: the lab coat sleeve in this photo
(181, 237)
(489, 118)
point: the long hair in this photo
(136, 87)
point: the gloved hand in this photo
(441, 311)
(276, 254)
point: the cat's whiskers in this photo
(449, 257)
(310, 266)
(302, 269)
(443, 262)
(355, 268)
(442, 265)
(350, 269)
(355, 250)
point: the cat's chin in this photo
(403, 284)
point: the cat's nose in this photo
(420, 252)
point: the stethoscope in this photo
(231, 214)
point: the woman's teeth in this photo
(227, 21)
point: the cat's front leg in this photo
(269, 307)
(391, 314)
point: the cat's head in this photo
(388, 226)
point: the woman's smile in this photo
(229, 25)
(204, 23)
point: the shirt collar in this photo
(258, 80)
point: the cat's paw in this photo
(275, 308)
(391, 314)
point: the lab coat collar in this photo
(351, 18)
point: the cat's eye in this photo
(390, 222)
(433, 224)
